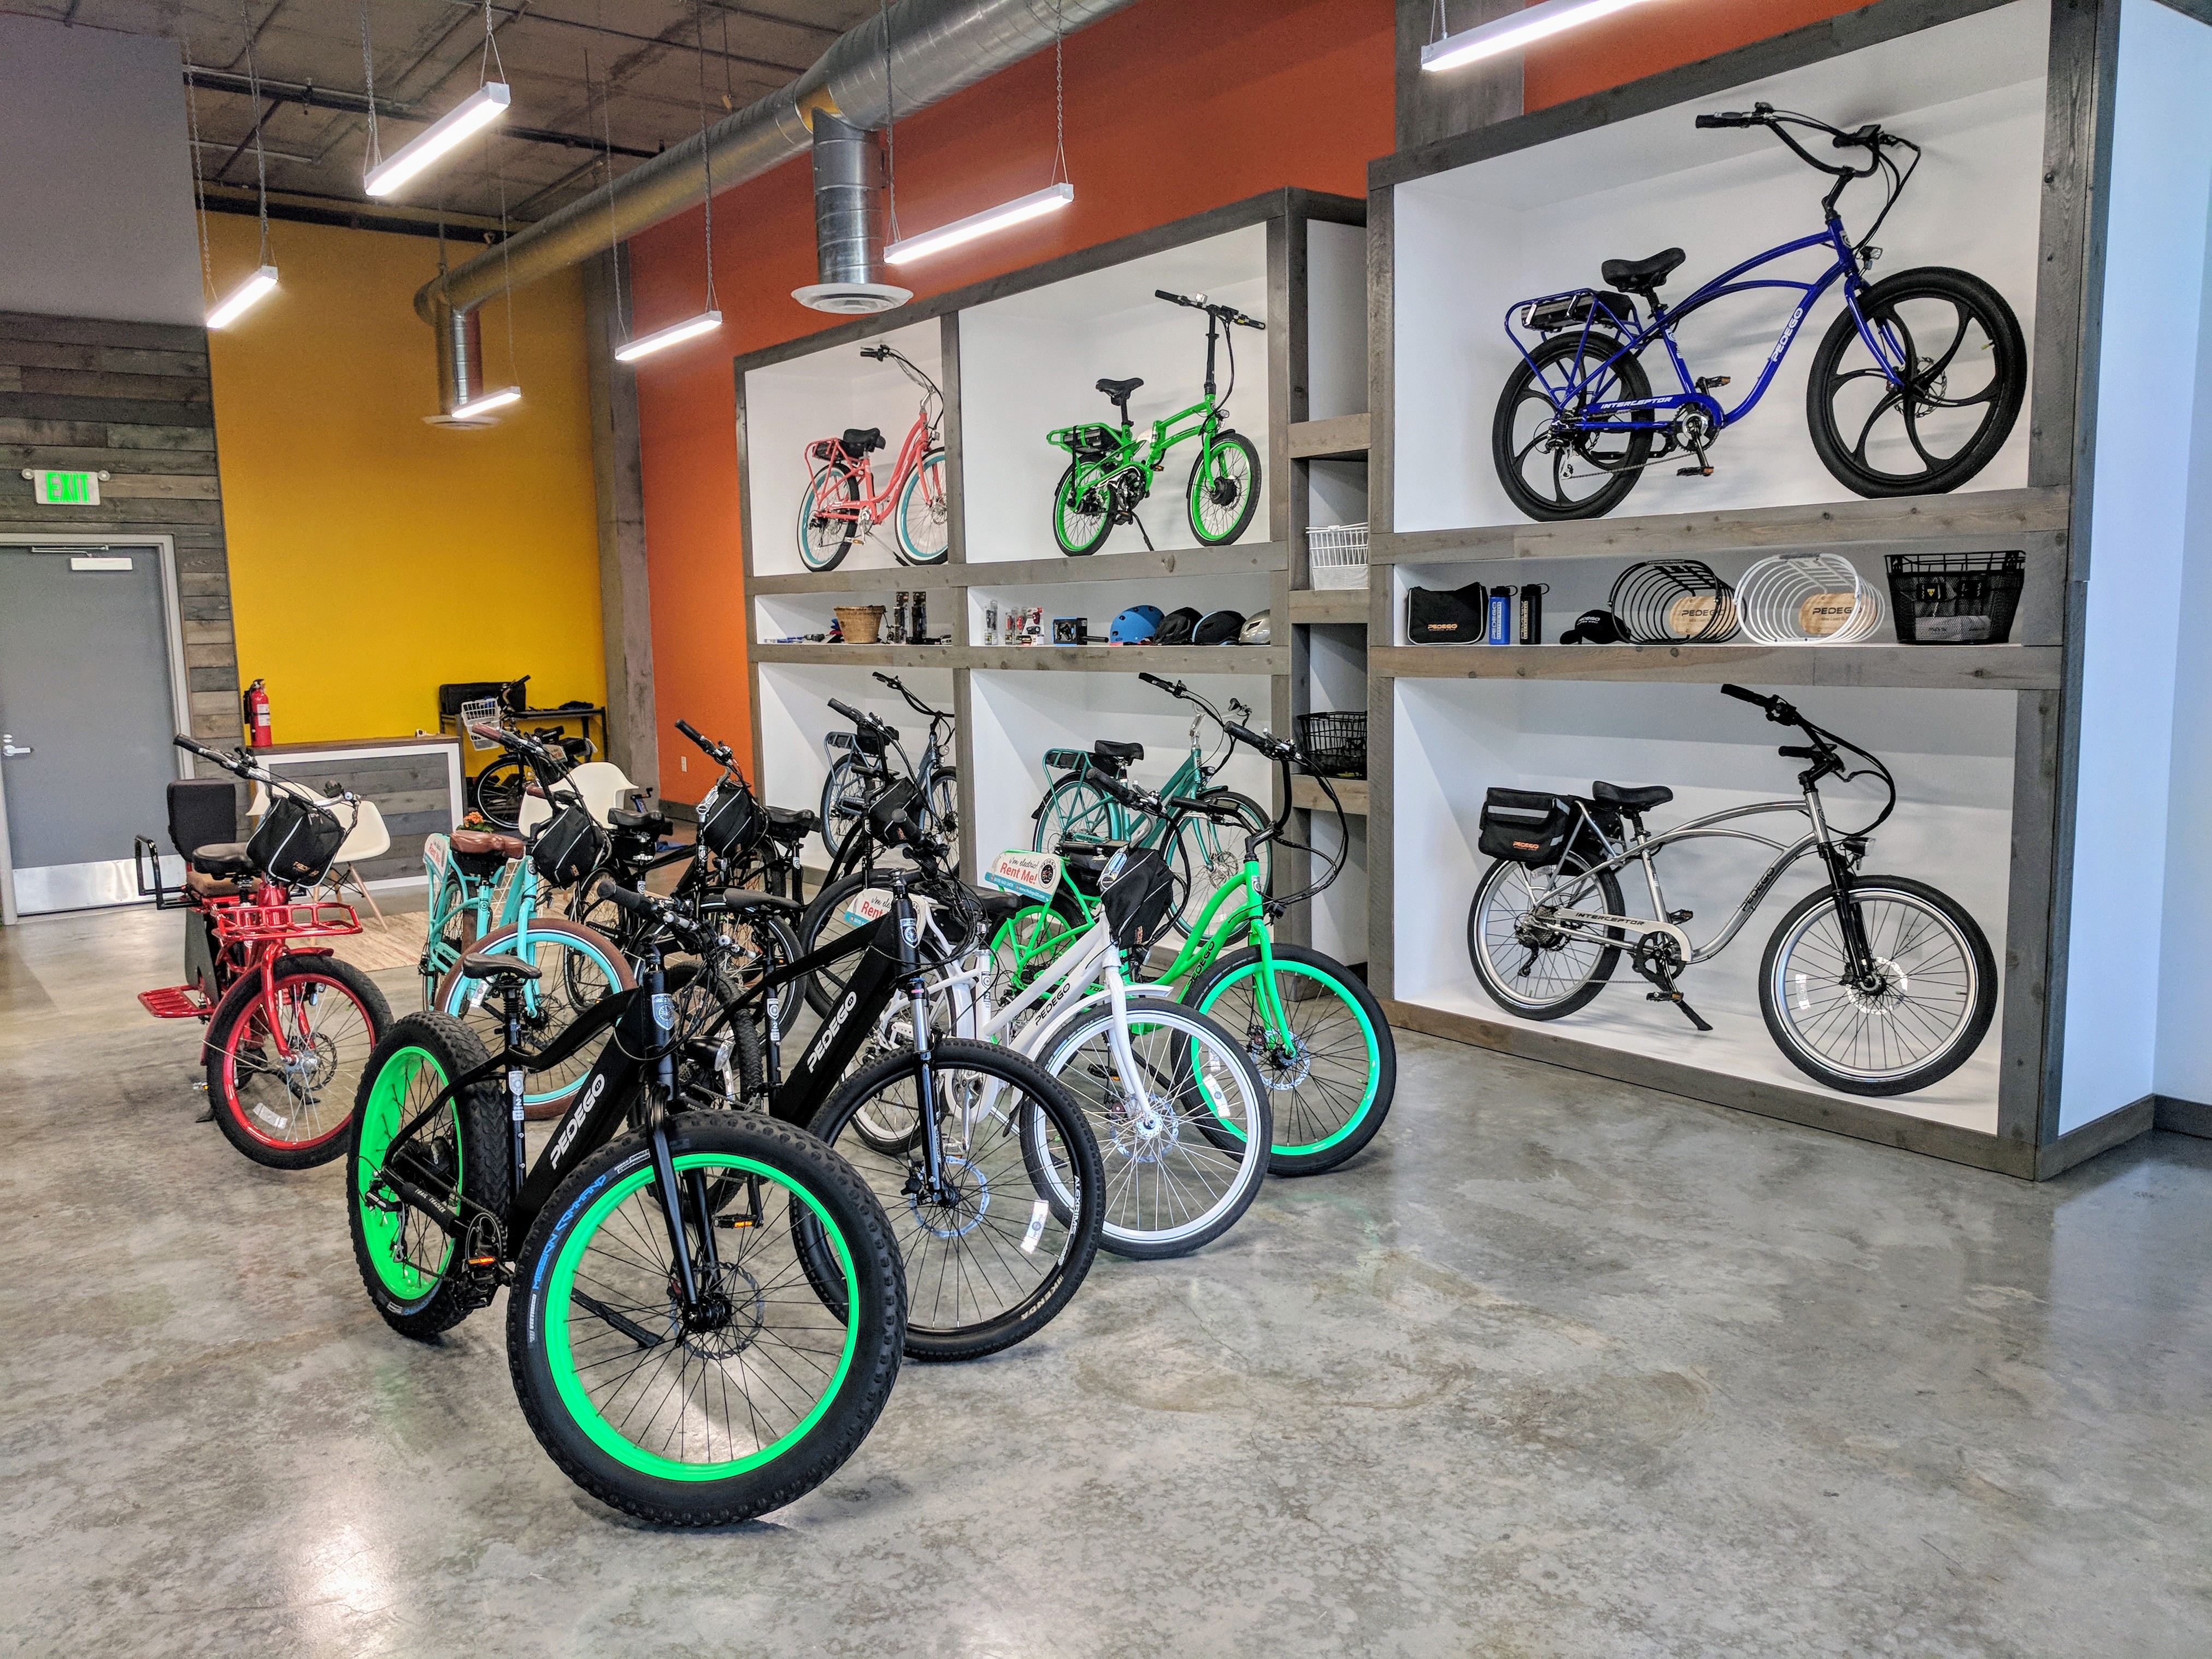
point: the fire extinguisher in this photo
(257, 729)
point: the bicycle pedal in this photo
(1693, 472)
(1707, 382)
(1678, 917)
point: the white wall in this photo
(95, 178)
(2125, 1032)
(1471, 242)
(1336, 319)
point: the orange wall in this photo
(1172, 108)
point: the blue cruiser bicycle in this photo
(1915, 387)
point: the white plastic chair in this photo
(369, 838)
(603, 786)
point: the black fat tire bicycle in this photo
(1874, 984)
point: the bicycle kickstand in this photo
(1667, 992)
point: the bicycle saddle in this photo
(652, 823)
(861, 439)
(481, 841)
(1641, 276)
(1631, 799)
(999, 906)
(473, 966)
(221, 858)
(1115, 757)
(787, 824)
(1117, 394)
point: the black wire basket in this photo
(1335, 743)
(1673, 602)
(1955, 598)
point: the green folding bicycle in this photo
(1315, 1031)
(1111, 473)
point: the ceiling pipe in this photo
(848, 222)
(938, 47)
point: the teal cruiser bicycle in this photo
(1111, 473)
(1202, 851)
(1313, 1030)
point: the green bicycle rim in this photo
(379, 1121)
(1366, 1032)
(561, 1363)
(458, 1004)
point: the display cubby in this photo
(2067, 165)
(1017, 357)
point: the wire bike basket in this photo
(1807, 598)
(1336, 554)
(1335, 743)
(1673, 602)
(1956, 598)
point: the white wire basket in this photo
(483, 712)
(1337, 555)
(1807, 598)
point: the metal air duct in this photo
(848, 222)
(936, 48)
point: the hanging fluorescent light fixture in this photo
(1522, 28)
(243, 298)
(1050, 199)
(471, 115)
(485, 404)
(690, 329)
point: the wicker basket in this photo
(862, 625)
(1337, 555)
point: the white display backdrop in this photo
(1471, 242)
(1028, 366)
(790, 404)
(2135, 1006)
(795, 716)
(1336, 319)
(1952, 752)
(1020, 714)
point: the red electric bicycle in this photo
(840, 503)
(289, 1027)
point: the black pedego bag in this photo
(296, 842)
(1138, 894)
(730, 821)
(1527, 828)
(1458, 615)
(570, 847)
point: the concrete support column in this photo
(625, 599)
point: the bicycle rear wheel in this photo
(758, 1393)
(845, 795)
(996, 1253)
(1082, 510)
(1179, 1170)
(1074, 809)
(1551, 468)
(576, 968)
(282, 1071)
(825, 535)
(497, 791)
(1528, 969)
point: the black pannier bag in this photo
(1527, 828)
(296, 842)
(570, 847)
(1137, 893)
(730, 822)
(1458, 615)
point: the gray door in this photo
(86, 688)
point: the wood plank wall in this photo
(413, 791)
(133, 400)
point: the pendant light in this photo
(262, 282)
(711, 318)
(1512, 32)
(1053, 198)
(471, 115)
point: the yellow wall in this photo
(373, 557)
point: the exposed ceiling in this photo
(644, 91)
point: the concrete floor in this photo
(1560, 1367)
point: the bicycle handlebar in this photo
(238, 766)
(848, 712)
(638, 904)
(717, 752)
(1228, 315)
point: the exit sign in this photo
(64, 488)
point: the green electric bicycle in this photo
(1109, 473)
(1314, 1031)
(1201, 851)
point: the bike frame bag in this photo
(730, 822)
(1458, 615)
(570, 847)
(296, 842)
(1138, 894)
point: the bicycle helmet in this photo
(1219, 628)
(1259, 629)
(1176, 627)
(1137, 625)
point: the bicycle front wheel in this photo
(760, 1390)
(497, 791)
(282, 1069)
(996, 1245)
(845, 795)
(1330, 1064)
(925, 513)
(1912, 1022)
(1224, 492)
(576, 968)
(1211, 855)
(1177, 1139)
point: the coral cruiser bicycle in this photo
(841, 503)
(1914, 389)
(289, 1027)
(1111, 473)
(1874, 984)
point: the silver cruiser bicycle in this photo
(1874, 984)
